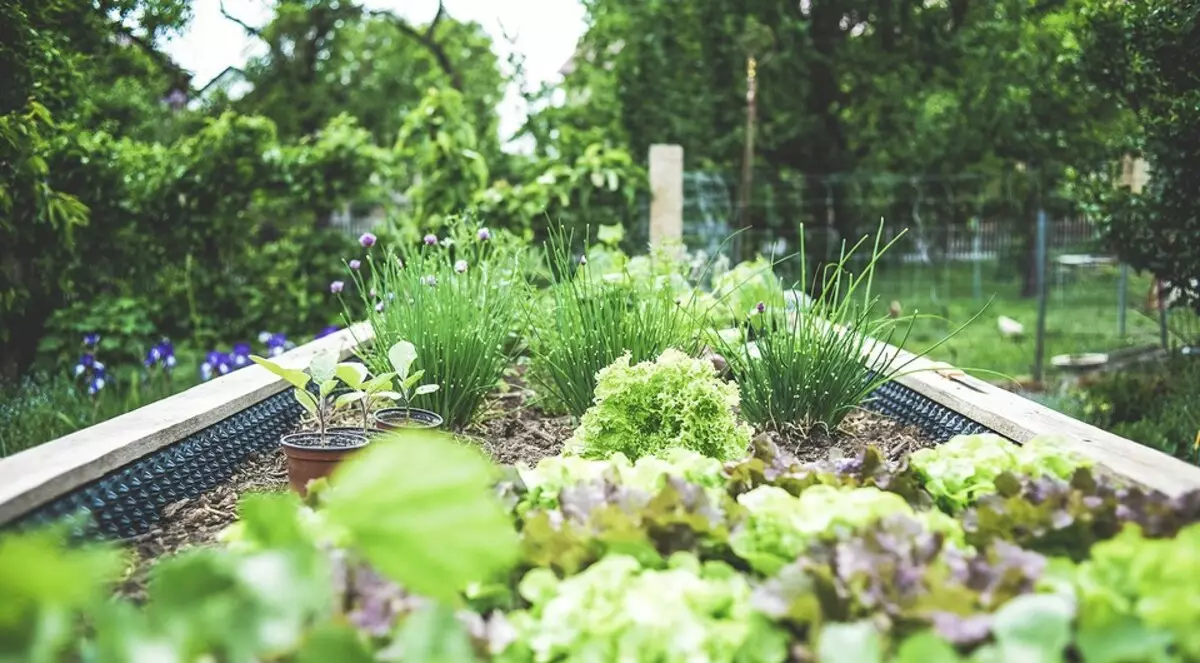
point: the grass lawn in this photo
(1081, 315)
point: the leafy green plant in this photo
(322, 372)
(814, 365)
(585, 324)
(959, 471)
(420, 513)
(458, 313)
(650, 407)
(402, 355)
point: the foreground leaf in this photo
(420, 508)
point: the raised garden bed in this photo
(658, 526)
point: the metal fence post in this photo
(1040, 350)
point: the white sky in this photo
(545, 33)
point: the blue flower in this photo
(264, 336)
(243, 349)
(95, 385)
(153, 355)
(332, 329)
(206, 371)
(91, 339)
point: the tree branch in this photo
(245, 26)
(427, 40)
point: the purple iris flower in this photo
(153, 355)
(87, 360)
(484, 234)
(337, 286)
(430, 239)
(367, 240)
(355, 264)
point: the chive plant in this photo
(812, 366)
(457, 303)
(585, 322)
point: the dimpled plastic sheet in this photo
(935, 420)
(128, 501)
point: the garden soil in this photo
(512, 431)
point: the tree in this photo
(1146, 54)
(325, 57)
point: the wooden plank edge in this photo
(1020, 420)
(34, 477)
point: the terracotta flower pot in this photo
(310, 457)
(399, 418)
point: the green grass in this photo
(1081, 316)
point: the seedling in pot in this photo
(402, 355)
(314, 455)
(367, 393)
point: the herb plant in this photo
(650, 407)
(402, 355)
(587, 323)
(458, 317)
(813, 365)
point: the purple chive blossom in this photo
(336, 287)
(429, 280)
(460, 266)
(367, 240)
(374, 293)
(582, 260)
(91, 339)
(391, 296)
(379, 307)
(484, 234)
(431, 239)
(760, 307)
(355, 264)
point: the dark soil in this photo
(332, 440)
(859, 430)
(512, 430)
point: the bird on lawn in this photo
(1010, 328)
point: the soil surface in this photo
(512, 430)
(859, 430)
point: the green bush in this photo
(647, 408)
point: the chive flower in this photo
(379, 307)
(460, 266)
(484, 234)
(429, 280)
(373, 293)
(367, 240)
(431, 239)
(760, 307)
(336, 287)
(582, 260)
(355, 264)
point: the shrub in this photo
(585, 324)
(813, 366)
(647, 408)
(457, 305)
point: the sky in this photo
(545, 33)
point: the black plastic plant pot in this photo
(401, 418)
(311, 457)
(370, 433)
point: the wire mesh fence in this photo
(965, 248)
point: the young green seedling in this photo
(321, 370)
(367, 392)
(402, 355)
